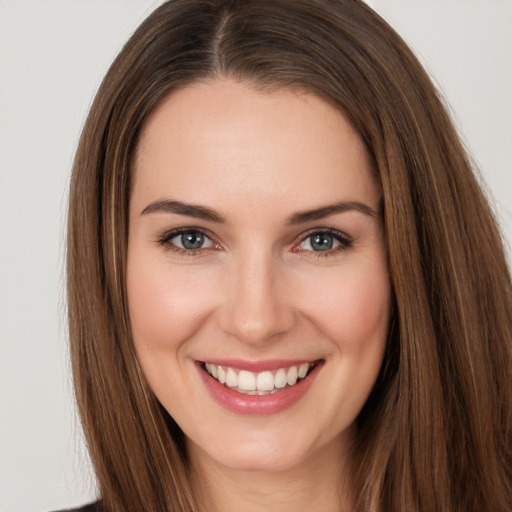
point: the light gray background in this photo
(53, 54)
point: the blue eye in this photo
(321, 242)
(192, 240)
(325, 241)
(187, 240)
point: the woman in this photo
(286, 288)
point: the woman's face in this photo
(258, 289)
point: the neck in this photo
(317, 483)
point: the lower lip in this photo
(240, 403)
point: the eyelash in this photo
(165, 241)
(345, 242)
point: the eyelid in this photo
(165, 240)
(208, 242)
(345, 241)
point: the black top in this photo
(92, 507)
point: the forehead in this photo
(223, 138)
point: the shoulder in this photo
(92, 507)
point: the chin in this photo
(268, 462)
(261, 454)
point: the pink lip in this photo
(258, 366)
(240, 403)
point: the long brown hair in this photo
(436, 432)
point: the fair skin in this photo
(278, 266)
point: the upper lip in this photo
(258, 366)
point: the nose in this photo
(256, 307)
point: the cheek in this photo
(166, 305)
(353, 312)
(353, 308)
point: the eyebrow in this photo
(202, 212)
(190, 210)
(325, 211)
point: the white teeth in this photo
(231, 378)
(265, 381)
(303, 370)
(247, 381)
(291, 377)
(212, 369)
(280, 378)
(261, 383)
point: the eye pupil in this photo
(322, 242)
(192, 240)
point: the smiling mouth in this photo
(262, 383)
